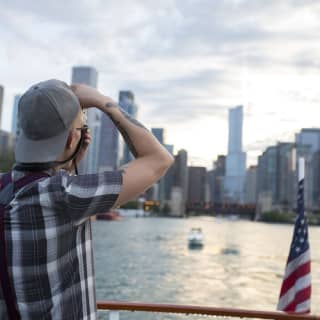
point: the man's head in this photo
(50, 118)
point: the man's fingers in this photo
(87, 138)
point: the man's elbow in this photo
(164, 163)
(170, 160)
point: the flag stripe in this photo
(303, 307)
(300, 284)
(292, 265)
(295, 292)
(300, 297)
(298, 273)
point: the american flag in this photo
(295, 294)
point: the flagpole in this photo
(295, 292)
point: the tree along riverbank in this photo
(286, 217)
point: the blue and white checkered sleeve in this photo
(87, 195)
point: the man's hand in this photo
(88, 96)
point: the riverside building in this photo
(88, 75)
(236, 158)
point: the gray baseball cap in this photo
(45, 112)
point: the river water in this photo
(241, 264)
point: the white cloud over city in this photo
(186, 61)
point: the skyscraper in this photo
(179, 183)
(15, 123)
(109, 145)
(168, 178)
(89, 76)
(86, 75)
(267, 172)
(276, 173)
(169, 147)
(1, 102)
(216, 179)
(158, 133)
(236, 158)
(309, 139)
(161, 190)
(126, 102)
(250, 185)
(181, 171)
(197, 181)
(7, 141)
(286, 162)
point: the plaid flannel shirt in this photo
(49, 243)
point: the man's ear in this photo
(69, 142)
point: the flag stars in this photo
(301, 240)
(298, 249)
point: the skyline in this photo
(187, 64)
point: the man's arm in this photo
(151, 159)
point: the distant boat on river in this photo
(195, 238)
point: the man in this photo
(47, 231)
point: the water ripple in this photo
(241, 264)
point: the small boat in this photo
(233, 217)
(111, 215)
(195, 238)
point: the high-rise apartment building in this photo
(197, 183)
(168, 178)
(179, 183)
(126, 102)
(1, 102)
(315, 181)
(85, 75)
(109, 145)
(250, 185)
(169, 147)
(89, 76)
(159, 134)
(276, 175)
(287, 168)
(216, 179)
(309, 137)
(180, 178)
(15, 128)
(308, 143)
(236, 158)
(7, 141)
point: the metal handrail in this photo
(210, 311)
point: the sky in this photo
(187, 63)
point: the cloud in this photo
(184, 61)
(258, 145)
